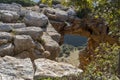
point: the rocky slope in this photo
(32, 34)
(27, 38)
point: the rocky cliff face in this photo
(35, 33)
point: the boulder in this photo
(8, 27)
(61, 15)
(16, 25)
(5, 28)
(34, 32)
(51, 46)
(48, 68)
(35, 19)
(53, 33)
(43, 5)
(11, 7)
(6, 36)
(8, 16)
(16, 69)
(23, 12)
(57, 14)
(60, 6)
(6, 49)
(23, 43)
(71, 12)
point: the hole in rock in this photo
(71, 47)
(36, 1)
(75, 40)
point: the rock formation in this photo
(35, 34)
(27, 38)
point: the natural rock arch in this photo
(31, 33)
(94, 29)
(49, 24)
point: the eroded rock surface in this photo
(34, 32)
(23, 43)
(35, 19)
(8, 27)
(8, 16)
(16, 69)
(49, 68)
(51, 46)
(11, 7)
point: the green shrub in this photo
(22, 2)
(104, 64)
(50, 2)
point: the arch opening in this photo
(70, 48)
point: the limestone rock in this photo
(43, 5)
(61, 7)
(71, 12)
(23, 43)
(56, 14)
(16, 69)
(23, 12)
(5, 28)
(34, 32)
(47, 68)
(6, 36)
(6, 49)
(11, 7)
(8, 27)
(53, 33)
(35, 19)
(51, 46)
(16, 25)
(8, 16)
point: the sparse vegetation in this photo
(104, 64)
(22, 2)
(71, 77)
(66, 49)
